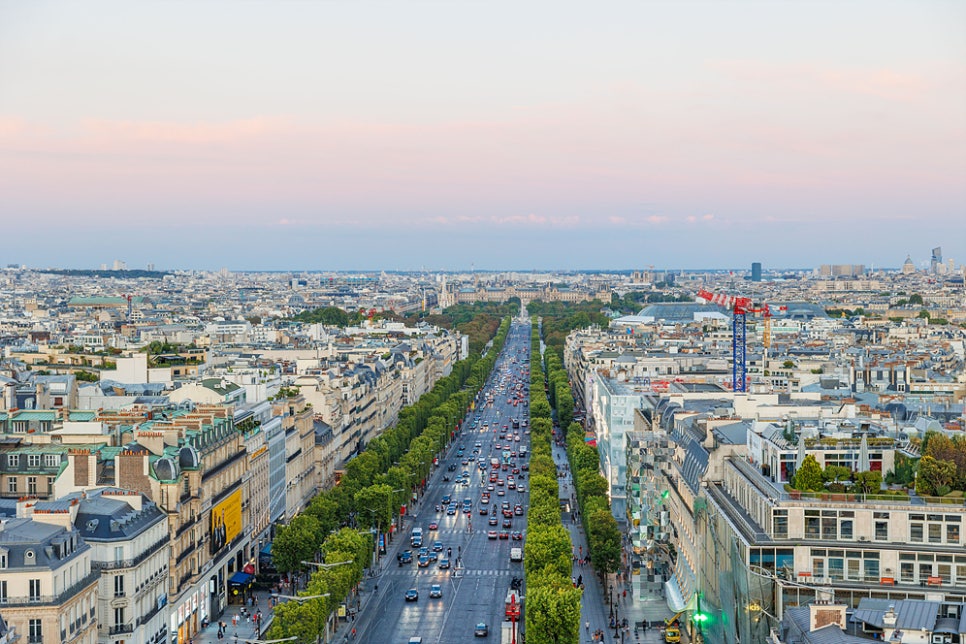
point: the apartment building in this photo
(128, 535)
(48, 587)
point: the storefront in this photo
(187, 616)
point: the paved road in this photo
(475, 591)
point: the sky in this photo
(405, 134)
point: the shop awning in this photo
(675, 598)
(267, 550)
(240, 579)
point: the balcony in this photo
(130, 563)
(54, 600)
(118, 629)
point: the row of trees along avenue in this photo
(592, 489)
(337, 523)
(552, 606)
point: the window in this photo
(34, 586)
(845, 529)
(3, 559)
(50, 483)
(118, 616)
(780, 524)
(952, 534)
(119, 586)
(12, 484)
(811, 524)
(13, 460)
(915, 532)
(20, 426)
(36, 632)
(881, 530)
(118, 554)
(935, 533)
(33, 460)
(31, 485)
(3, 592)
(51, 460)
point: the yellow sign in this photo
(226, 521)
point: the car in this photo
(433, 556)
(423, 561)
(482, 510)
(500, 482)
(444, 563)
(435, 591)
(438, 546)
(504, 534)
(507, 523)
(516, 535)
(500, 492)
(452, 467)
(465, 462)
(405, 557)
(521, 488)
(451, 510)
(493, 521)
(491, 534)
(525, 467)
(481, 630)
(490, 487)
(518, 510)
(412, 595)
(446, 499)
(433, 525)
(511, 485)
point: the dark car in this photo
(507, 523)
(481, 630)
(516, 535)
(405, 557)
(444, 564)
(412, 595)
(438, 546)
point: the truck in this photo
(516, 554)
(416, 539)
(495, 463)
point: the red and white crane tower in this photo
(740, 307)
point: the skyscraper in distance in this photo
(756, 271)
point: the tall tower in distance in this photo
(756, 271)
(936, 262)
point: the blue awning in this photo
(267, 550)
(240, 578)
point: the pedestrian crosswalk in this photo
(433, 572)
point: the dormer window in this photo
(3, 558)
(29, 558)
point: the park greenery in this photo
(374, 486)
(560, 318)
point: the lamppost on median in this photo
(300, 599)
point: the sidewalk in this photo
(595, 607)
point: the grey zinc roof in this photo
(101, 518)
(18, 536)
(797, 623)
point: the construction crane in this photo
(740, 308)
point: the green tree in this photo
(915, 298)
(604, 539)
(296, 542)
(935, 476)
(552, 612)
(375, 505)
(868, 482)
(809, 475)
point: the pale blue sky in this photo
(507, 135)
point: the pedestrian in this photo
(625, 593)
(587, 626)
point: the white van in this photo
(516, 554)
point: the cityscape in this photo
(436, 323)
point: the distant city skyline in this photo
(360, 135)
